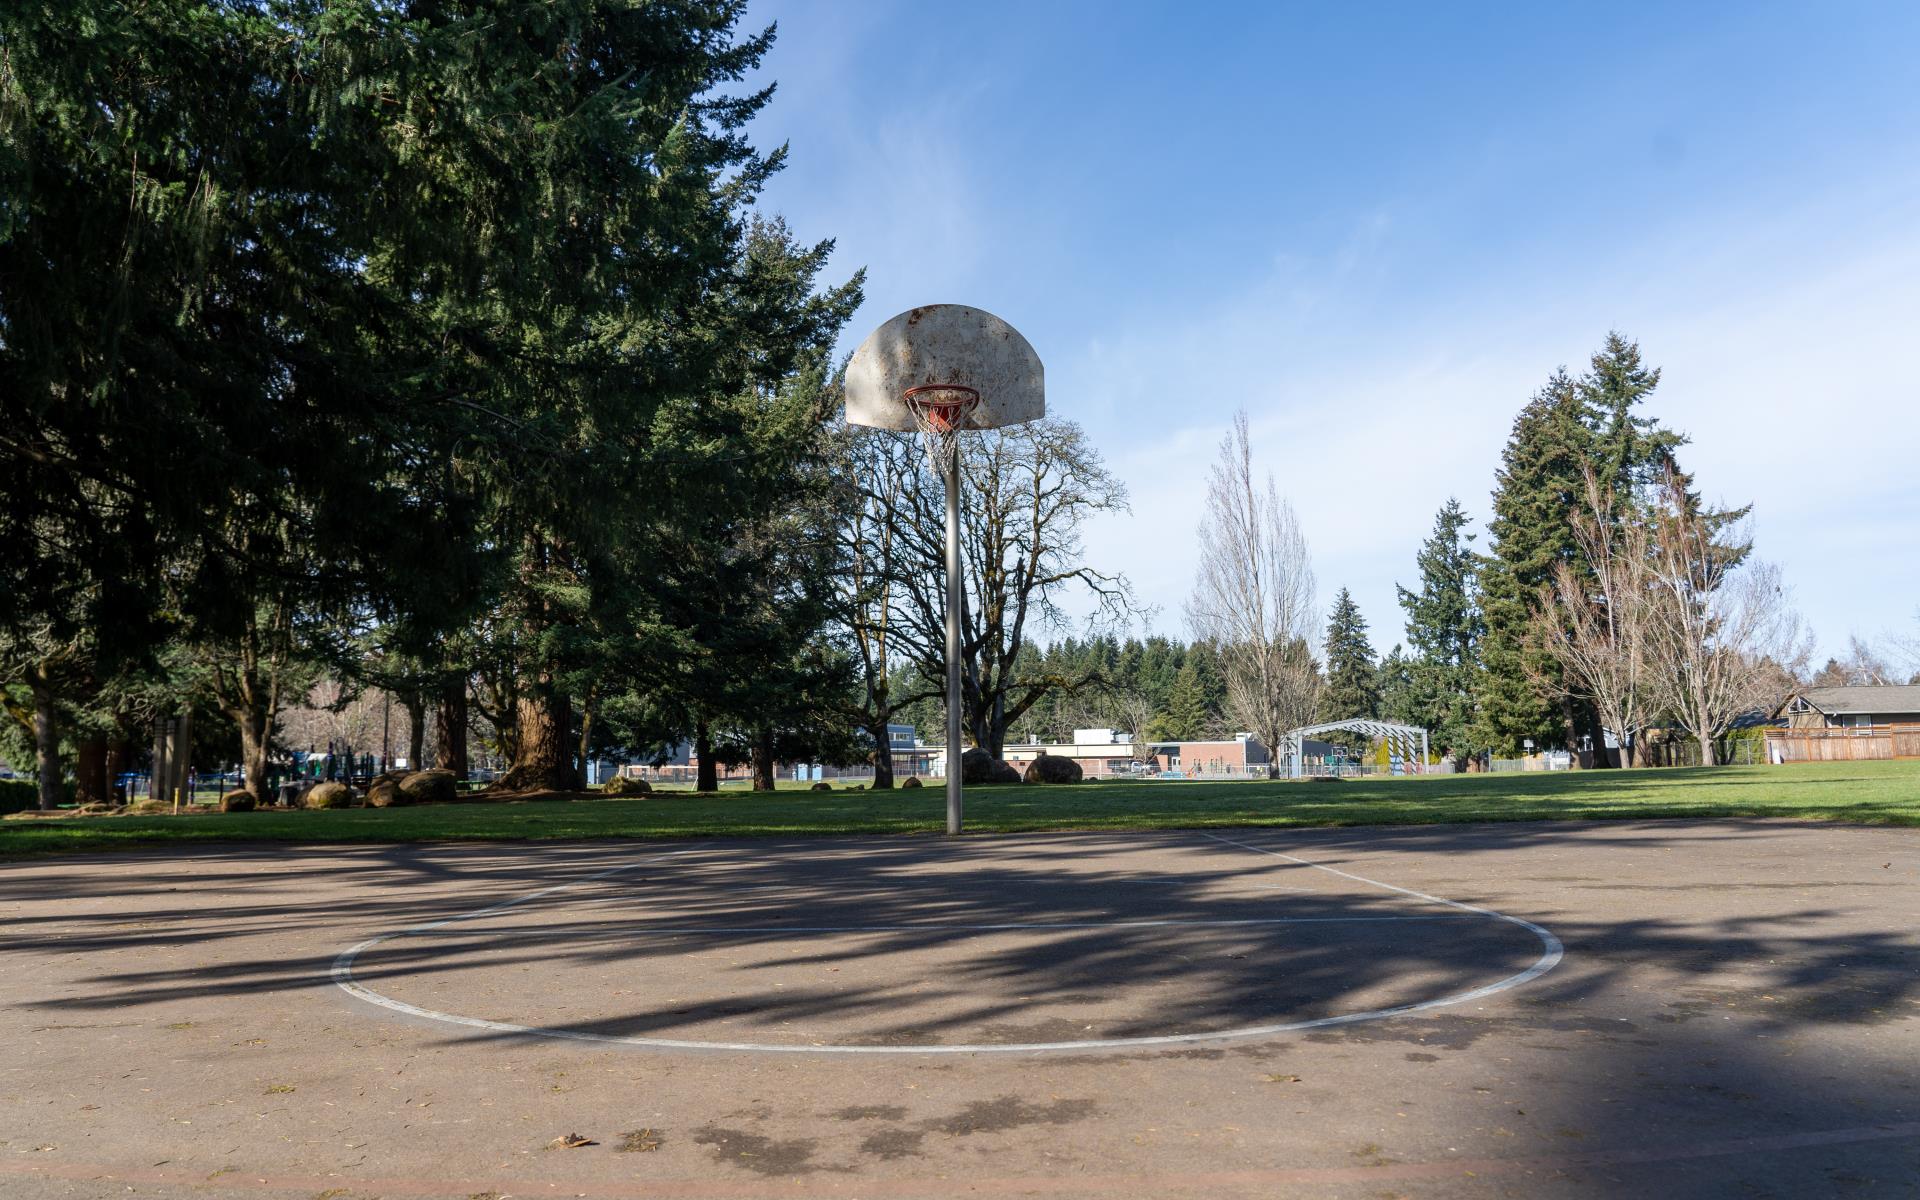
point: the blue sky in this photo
(1379, 228)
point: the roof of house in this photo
(1876, 698)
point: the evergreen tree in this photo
(1186, 717)
(1434, 686)
(1397, 700)
(1569, 428)
(1353, 684)
(1537, 486)
(1630, 452)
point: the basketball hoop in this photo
(994, 379)
(941, 411)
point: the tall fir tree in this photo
(1539, 481)
(1570, 427)
(1629, 451)
(1186, 717)
(1434, 685)
(1353, 681)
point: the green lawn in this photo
(1870, 793)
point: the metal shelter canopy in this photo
(1399, 737)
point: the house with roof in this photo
(1860, 707)
(1842, 724)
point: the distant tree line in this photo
(1610, 601)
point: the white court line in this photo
(342, 973)
(1222, 922)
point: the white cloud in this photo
(1786, 363)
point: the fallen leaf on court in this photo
(1283, 1079)
(279, 1089)
(571, 1141)
(639, 1141)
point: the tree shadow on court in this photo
(908, 942)
(1712, 1031)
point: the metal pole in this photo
(954, 584)
(953, 638)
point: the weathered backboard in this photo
(945, 344)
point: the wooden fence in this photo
(1843, 744)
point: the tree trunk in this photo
(46, 743)
(763, 760)
(543, 761)
(119, 759)
(450, 728)
(415, 703)
(1598, 734)
(253, 756)
(1707, 757)
(586, 737)
(90, 782)
(706, 778)
(882, 755)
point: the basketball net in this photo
(941, 411)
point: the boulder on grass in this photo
(623, 785)
(386, 793)
(329, 794)
(912, 781)
(433, 786)
(978, 767)
(1052, 768)
(241, 801)
(821, 787)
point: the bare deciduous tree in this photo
(1726, 638)
(1908, 649)
(1864, 666)
(1134, 711)
(1254, 597)
(1028, 492)
(1599, 626)
(874, 553)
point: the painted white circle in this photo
(1551, 952)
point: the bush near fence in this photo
(18, 795)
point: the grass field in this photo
(1885, 793)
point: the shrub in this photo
(18, 795)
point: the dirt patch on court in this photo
(760, 1154)
(1011, 1112)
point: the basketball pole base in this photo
(954, 585)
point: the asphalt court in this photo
(1736, 1013)
(1031, 945)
